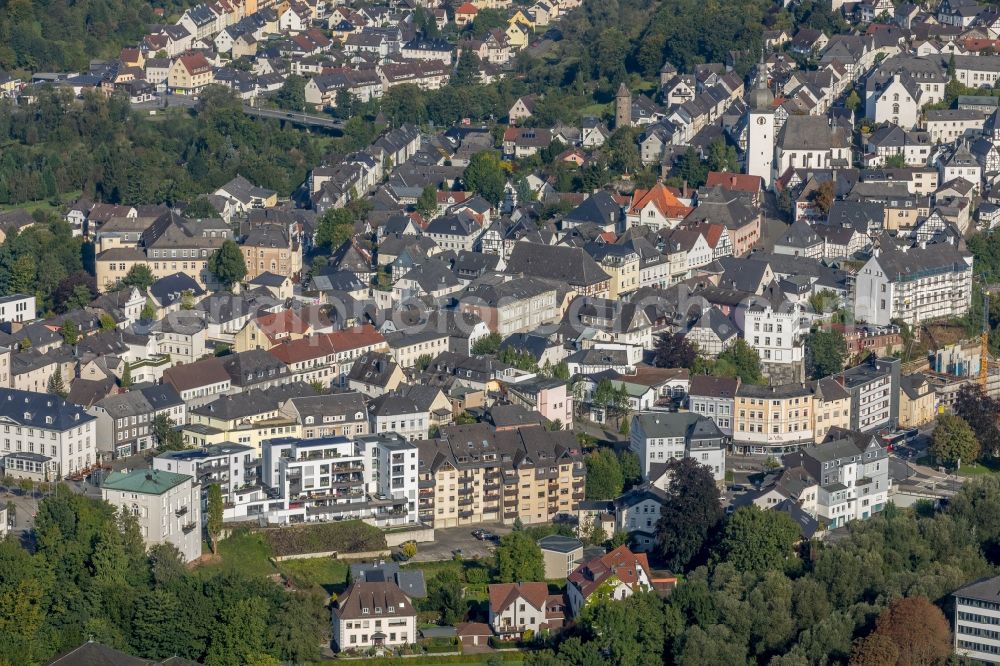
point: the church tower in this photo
(623, 107)
(760, 129)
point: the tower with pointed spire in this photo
(760, 128)
(623, 107)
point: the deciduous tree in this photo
(518, 558)
(213, 520)
(690, 514)
(672, 350)
(826, 351)
(755, 540)
(486, 176)
(953, 441)
(227, 264)
(604, 475)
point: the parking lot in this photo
(447, 541)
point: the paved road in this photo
(188, 101)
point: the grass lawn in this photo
(44, 204)
(249, 554)
(593, 110)
(980, 469)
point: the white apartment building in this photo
(977, 620)
(230, 466)
(773, 326)
(46, 425)
(913, 283)
(17, 308)
(714, 398)
(658, 437)
(874, 391)
(372, 478)
(947, 125)
(166, 505)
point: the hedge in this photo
(435, 659)
(349, 536)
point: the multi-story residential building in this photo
(773, 419)
(62, 434)
(125, 420)
(270, 248)
(549, 397)
(874, 390)
(621, 262)
(775, 327)
(849, 477)
(616, 575)
(166, 506)
(512, 306)
(331, 415)
(659, 437)
(560, 263)
(394, 412)
(374, 373)
(516, 608)
(947, 125)
(233, 467)
(917, 401)
(473, 474)
(913, 283)
(200, 382)
(715, 398)
(331, 478)
(373, 615)
(189, 73)
(977, 614)
(637, 513)
(327, 358)
(17, 308)
(832, 407)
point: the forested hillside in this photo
(44, 35)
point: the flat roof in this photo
(144, 481)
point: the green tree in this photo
(213, 520)
(622, 151)
(187, 300)
(444, 595)
(335, 227)
(126, 380)
(227, 264)
(518, 558)
(755, 540)
(744, 361)
(139, 276)
(487, 345)
(56, 385)
(238, 640)
(423, 362)
(467, 69)
(826, 352)
(167, 437)
(604, 475)
(722, 157)
(690, 514)
(148, 310)
(292, 94)
(70, 332)
(427, 201)
(953, 441)
(486, 176)
(107, 322)
(199, 209)
(897, 161)
(853, 101)
(631, 471)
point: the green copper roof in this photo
(145, 481)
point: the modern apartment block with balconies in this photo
(332, 478)
(473, 474)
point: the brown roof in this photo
(195, 63)
(621, 562)
(503, 595)
(192, 375)
(473, 629)
(304, 349)
(372, 596)
(354, 338)
(739, 182)
(660, 196)
(715, 387)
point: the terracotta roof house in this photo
(615, 575)
(373, 614)
(516, 608)
(656, 208)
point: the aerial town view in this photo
(499, 332)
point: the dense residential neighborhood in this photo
(553, 332)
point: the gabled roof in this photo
(662, 198)
(621, 563)
(502, 595)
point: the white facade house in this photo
(813, 142)
(659, 437)
(913, 283)
(62, 435)
(166, 505)
(17, 308)
(515, 608)
(774, 327)
(230, 466)
(373, 615)
(898, 102)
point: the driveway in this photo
(447, 541)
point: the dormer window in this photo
(364, 611)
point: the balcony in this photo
(188, 528)
(465, 501)
(181, 511)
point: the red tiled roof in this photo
(353, 338)
(278, 324)
(303, 349)
(661, 197)
(195, 63)
(621, 562)
(467, 8)
(739, 182)
(503, 595)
